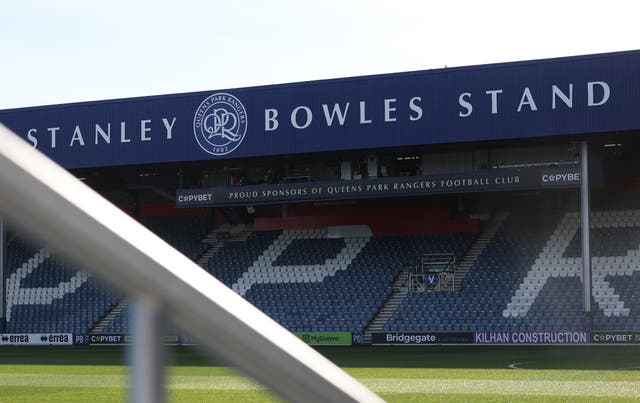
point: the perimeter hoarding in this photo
(325, 338)
(120, 339)
(408, 338)
(615, 337)
(493, 338)
(540, 337)
(576, 95)
(36, 339)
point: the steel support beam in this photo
(586, 232)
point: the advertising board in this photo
(36, 339)
(325, 338)
(496, 180)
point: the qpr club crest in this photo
(220, 123)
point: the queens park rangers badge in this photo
(220, 123)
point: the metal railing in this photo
(436, 272)
(43, 199)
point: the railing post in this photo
(147, 353)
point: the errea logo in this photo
(220, 124)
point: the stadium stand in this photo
(45, 294)
(184, 233)
(332, 294)
(276, 202)
(527, 278)
(309, 282)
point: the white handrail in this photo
(42, 198)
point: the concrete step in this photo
(116, 310)
(478, 247)
(239, 233)
(387, 310)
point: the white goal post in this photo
(45, 200)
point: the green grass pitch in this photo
(398, 374)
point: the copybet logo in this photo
(220, 124)
(38, 296)
(550, 264)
